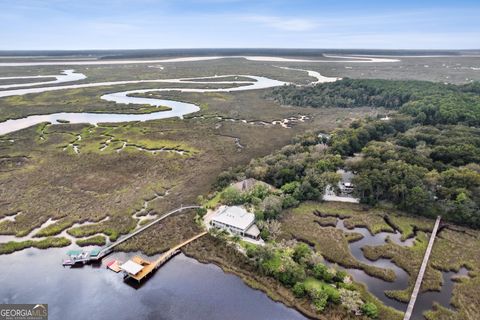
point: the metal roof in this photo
(253, 231)
(131, 267)
(95, 252)
(74, 252)
(234, 216)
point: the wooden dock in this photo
(423, 267)
(87, 258)
(149, 267)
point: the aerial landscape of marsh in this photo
(255, 181)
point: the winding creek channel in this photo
(178, 289)
(178, 109)
(378, 286)
(65, 76)
(183, 287)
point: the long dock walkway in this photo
(107, 250)
(418, 283)
(151, 266)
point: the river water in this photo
(377, 286)
(65, 76)
(178, 109)
(339, 59)
(182, 289)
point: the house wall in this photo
(233, 229)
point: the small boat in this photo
(68, 262)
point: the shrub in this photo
(225, 178)
(319, 299)
(290, 187)
(259, 191)
(333, 294)
(289, 201)
(350, 300)
(301, 252)
(264, 234)
(231, 196)
(321, 272)
(271, 206)
(251, 251)
(201, 212)
(299, 290)
(340, 276)
(370, 310)
(291, 274)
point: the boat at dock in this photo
(80, 257)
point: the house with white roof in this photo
(236, 220)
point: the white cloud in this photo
(283, 23)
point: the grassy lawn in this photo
(214, 202)
(312, 282)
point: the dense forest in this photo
(424, 159)
(427, 102)
(423, 169)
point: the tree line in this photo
(424, 159)
(427, 102)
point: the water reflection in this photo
(378, 287)
(65, 76)
(181, 289)
(178, 109)
(426, 300)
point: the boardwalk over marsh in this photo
(423, 267)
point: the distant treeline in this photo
(428, 102)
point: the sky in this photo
(158, 24)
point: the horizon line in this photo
(240, 48)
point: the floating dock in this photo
(80, 256)
(114, 265)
